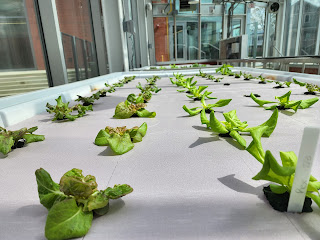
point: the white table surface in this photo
(188, 183)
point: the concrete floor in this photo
(188, 183)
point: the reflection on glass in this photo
(236, 27)
(211, 33)
(309, 27)
(272, 51)
(255, 29)
(22, 65)
(75, 23)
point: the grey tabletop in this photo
(188, 183)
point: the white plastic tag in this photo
(306, 157)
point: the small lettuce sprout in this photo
(126, 109)
(312, 89)
(197, 95)
(206, 108)
(17, 139)
(188, 85)
(218, 79)
(231, 74)
(232, 127)
(202, 74)
(281, 84)
(247, 76)
(263, 80)
(278, 194)
(153, 80)
(301, 84)
(285, 103)
(173, 66)
(120, 139)
(86, 101)
(111, 88)
(238, 75)
(62, 111)
(73, 202)
(162, 67)
(224, 69)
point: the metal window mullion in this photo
(199, 32)
(52, 36)
(75, 57)
(299, 28)
(85, 59)
(98, 37)
(175, 33)
(317, 52)
(266, 34)
(281, 31)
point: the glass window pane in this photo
(291, 27)
(211, 33)
(76, 27)
(255, 30)
(22, 65)
(309, 27)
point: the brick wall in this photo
(161, 39)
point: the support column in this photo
(52, 36)
(115, 37)
(98, 35)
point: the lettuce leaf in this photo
(67, 220)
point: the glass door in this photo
(181, 42)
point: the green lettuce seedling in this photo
(202, 74)
(284, 102)
(301, 84)
(62, 111)
(218, 79)
(153, 80)
(142, 98)
(224, 69)
(188, 85)
(197, 95)
(312, 89)
(73, 202)
(86, 101)
(206, 108)
(120, 139)
(173, 66)
(163, 67)
(238, 75)
(281, 84)
(17, 139)
(247, 76)
(263, 80)
(283, 175)
(126, 109)
(111, 88)
(232, 127)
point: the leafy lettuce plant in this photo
(126, 109)
(247, 76)
(17, 139)
(285, 103)
(301, 84)
(311, 89)
(73, 202)
(111, 88)
(238, 75)
(197, 93)
(120, 139)
(281, 84)
(141, 98)
(162, 67)
(86, 101)
(202, 74)
(188, 85)
(207, 108)
(153, 80)
(233, 126)
(282, 176)
(173, 66)
(224, 69)
(62, 111)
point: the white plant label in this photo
(306, 157)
